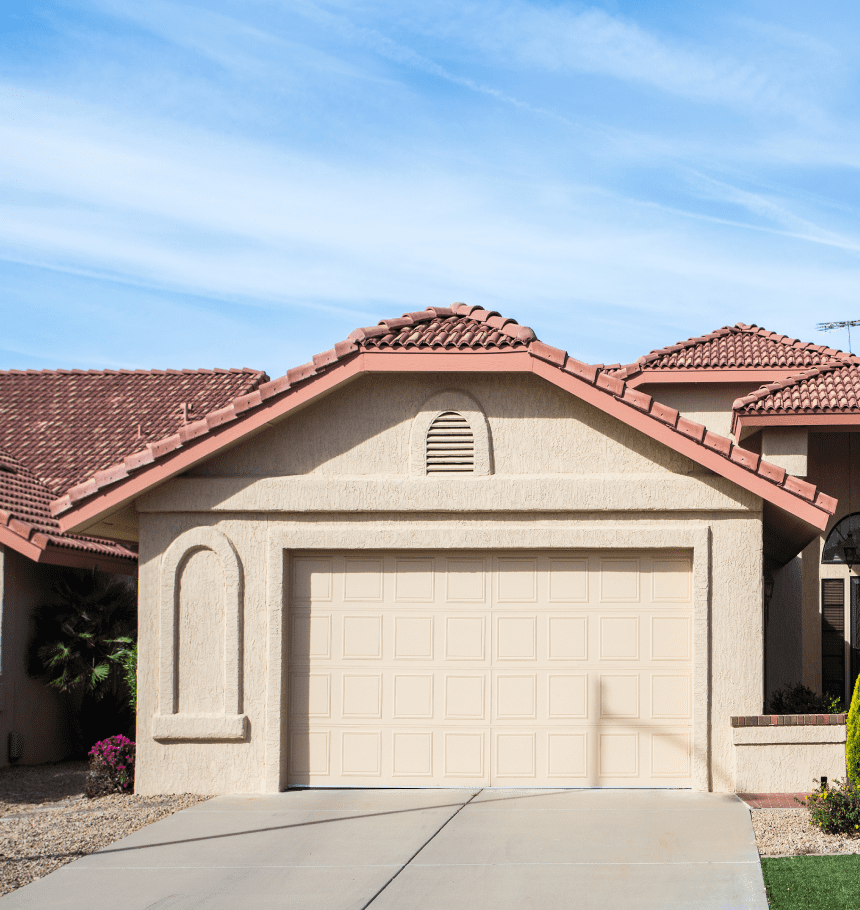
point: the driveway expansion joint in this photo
(411, 858)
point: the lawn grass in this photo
(812, 882)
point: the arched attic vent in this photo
(450, 437)
(450, 445)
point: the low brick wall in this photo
(790, 720)
(787, 753)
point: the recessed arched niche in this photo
(200, 665)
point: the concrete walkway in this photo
(425, 850)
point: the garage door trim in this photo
(478, 535)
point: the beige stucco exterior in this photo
(27, 705)
(788, 447)
(337, 476)
(787, 759)
(708, 403)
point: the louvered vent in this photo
(450, 445)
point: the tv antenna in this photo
(829, 326)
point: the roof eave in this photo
(804, 510)
(634, 408)
(37, 548)
(818, 421)
(24, 545)
(784, 535)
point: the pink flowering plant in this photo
(112, 763)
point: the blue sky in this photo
(242, 184)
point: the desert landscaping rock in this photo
(789, 832)
(46, 821)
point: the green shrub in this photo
(83, 635)
(128, 658)
(852, 742)
(836, 810)
(82, 644)
(800, 699)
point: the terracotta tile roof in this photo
(832, 388)
(734, 347)
(271, 394)
(459, 327)
(65, 425)
(25, 512)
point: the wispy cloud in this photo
(356, 161)
(567, 40)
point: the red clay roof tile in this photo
(458, 327)
(832, 388)
(25, 510)
(65, 425)
(60, 427)
(738, 346)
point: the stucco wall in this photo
(536, 428)
(784, 628)
(26, 705)
(587, 475)
(706, 403)
(735, 607)
(787, 759)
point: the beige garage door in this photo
(472, 669)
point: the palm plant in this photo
(85, 636)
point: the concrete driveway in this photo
(417, 849)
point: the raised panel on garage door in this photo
(483, 669)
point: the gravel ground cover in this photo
(46, 821)
(789, 832)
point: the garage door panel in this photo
(516, 580)
(619, 581)
(671, 581)
(415, 669)
(465, 581)
(414, 580)
(671, 638)
(567, 581)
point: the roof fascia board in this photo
(712, 460)
(116, 497)
(77, 559)
(63, 556)
(821, 421)
(715, 375)
(20, 544)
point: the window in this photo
(833, 636)
(450, 445)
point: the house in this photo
(796, 405)
(444, 553)
(56, 428)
